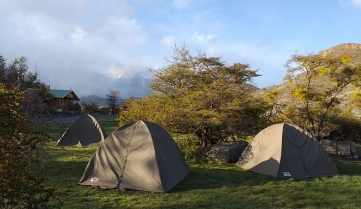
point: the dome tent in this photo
(84, 131)
(283, 150)
(140, 156)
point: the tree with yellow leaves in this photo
(22, 169)
(201, 96)
(315, 84)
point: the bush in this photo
(22, 156)
(189, 146)
(347, 124)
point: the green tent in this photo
(283, 150)
(84, 131)
(140, 156)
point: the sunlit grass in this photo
(206, 186)
(56, 129)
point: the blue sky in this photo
(68, 39)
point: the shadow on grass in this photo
(71, 164)
(70, 173)
(210, 186)
(66, 173)
(212, 178)
(349, 168)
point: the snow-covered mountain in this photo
(129, 85)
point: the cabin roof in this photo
(64, 93)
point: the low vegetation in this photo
(22, 156)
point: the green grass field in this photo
(206, 186)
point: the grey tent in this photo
(283, 150)
(140, 156)
(84, 131)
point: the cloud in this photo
(78, 35)
(181, 4)
(114, 71)
(116, 26)
(201, 37)
(356, 3)
(212, 51)
(168, 41)
(268, 57)
(37, 25)
(99, 39)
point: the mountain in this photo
(352, 49)
(100, 101)
(131, 85)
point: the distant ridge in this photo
(352, 49)
(343, 47)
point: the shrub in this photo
(347, 124)
(189, 146)
(22, 169)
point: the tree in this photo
(22, 154)
(22, 168)
(154, 108)
(347, 124)
(2, 69)
(90, 107)
(112, 97)
(315, 84)
(104, 110)
(202, 96)
(15, 74)
(37, 101)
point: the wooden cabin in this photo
(66, 100)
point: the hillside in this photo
(352, 49)
(348, 48)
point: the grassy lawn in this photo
(206, 186)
